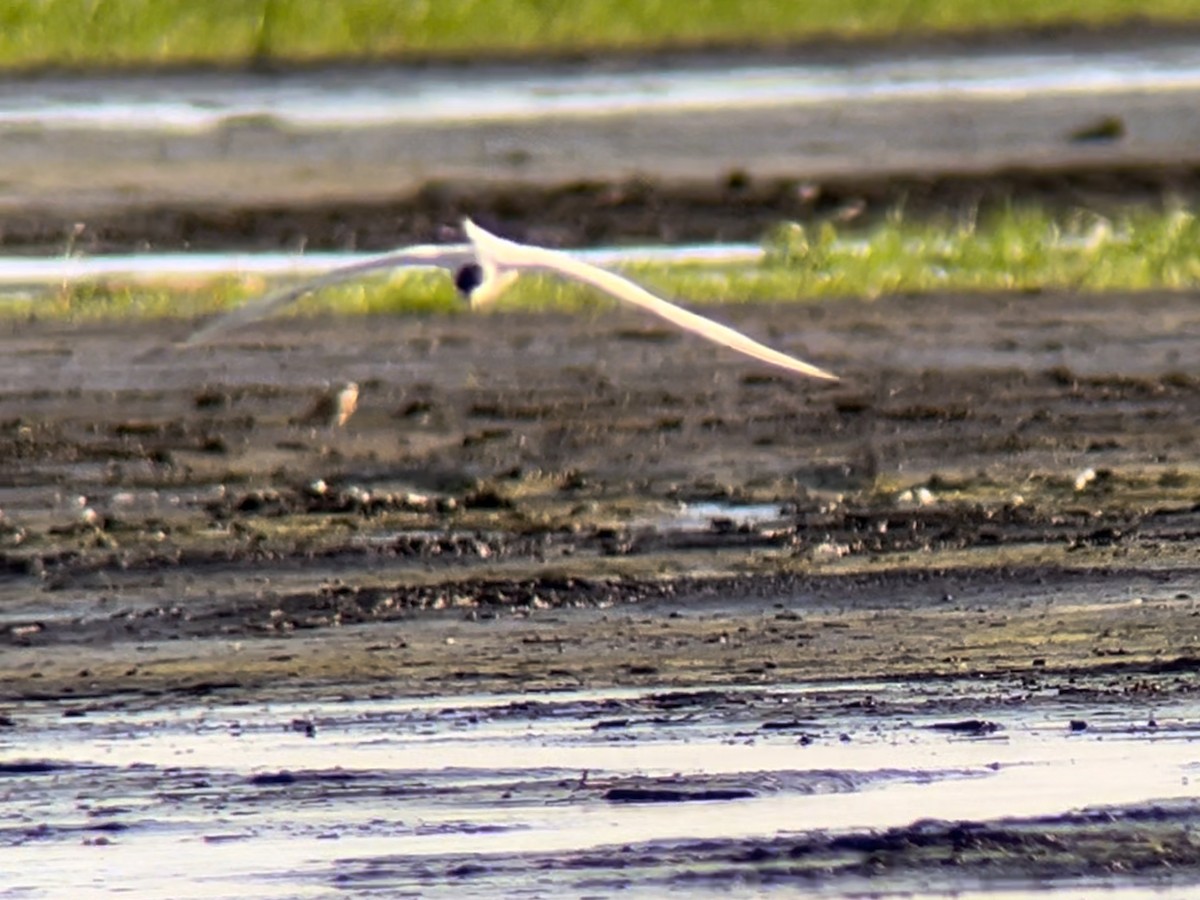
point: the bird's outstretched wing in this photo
(499, 255)
(450, 257)
(486, 266)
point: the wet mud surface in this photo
(985, 537)
(735, 206)
(504, 466)
(826, 789)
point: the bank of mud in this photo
(843, 786)
(998, 484)
(734, 206)
(988, 526)
(1104, 850)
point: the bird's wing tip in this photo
(803, 368)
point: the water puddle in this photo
(20, 274)
(333, 100)
(17, 272)
(713, 515)
(295, 799)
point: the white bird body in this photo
(484, 268)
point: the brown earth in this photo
(998, 508)
(999, 484)
(734, 207)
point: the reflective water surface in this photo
(324, 100)
(291, 800)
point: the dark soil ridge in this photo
(1129, 842)
(856, 531)
(733, 208)
(334, 605)
(1107, 842)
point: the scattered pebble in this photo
(830, 550)
(921, 496)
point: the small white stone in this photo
(830, 550)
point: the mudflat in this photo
(994, 515)
(987, 468)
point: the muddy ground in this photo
(1003, 490)
(735, 206)
(987, 467)
(1002, 494)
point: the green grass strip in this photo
(116, 33)
(1017, 249)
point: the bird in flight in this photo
(485, 267)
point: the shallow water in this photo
(295, 799)
(325, 100)
(19, 271)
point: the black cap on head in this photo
(467, 278)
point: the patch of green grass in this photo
(1021, 248)
(92, 301)
(414, 292)
(1018, 249)
(99, 33)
